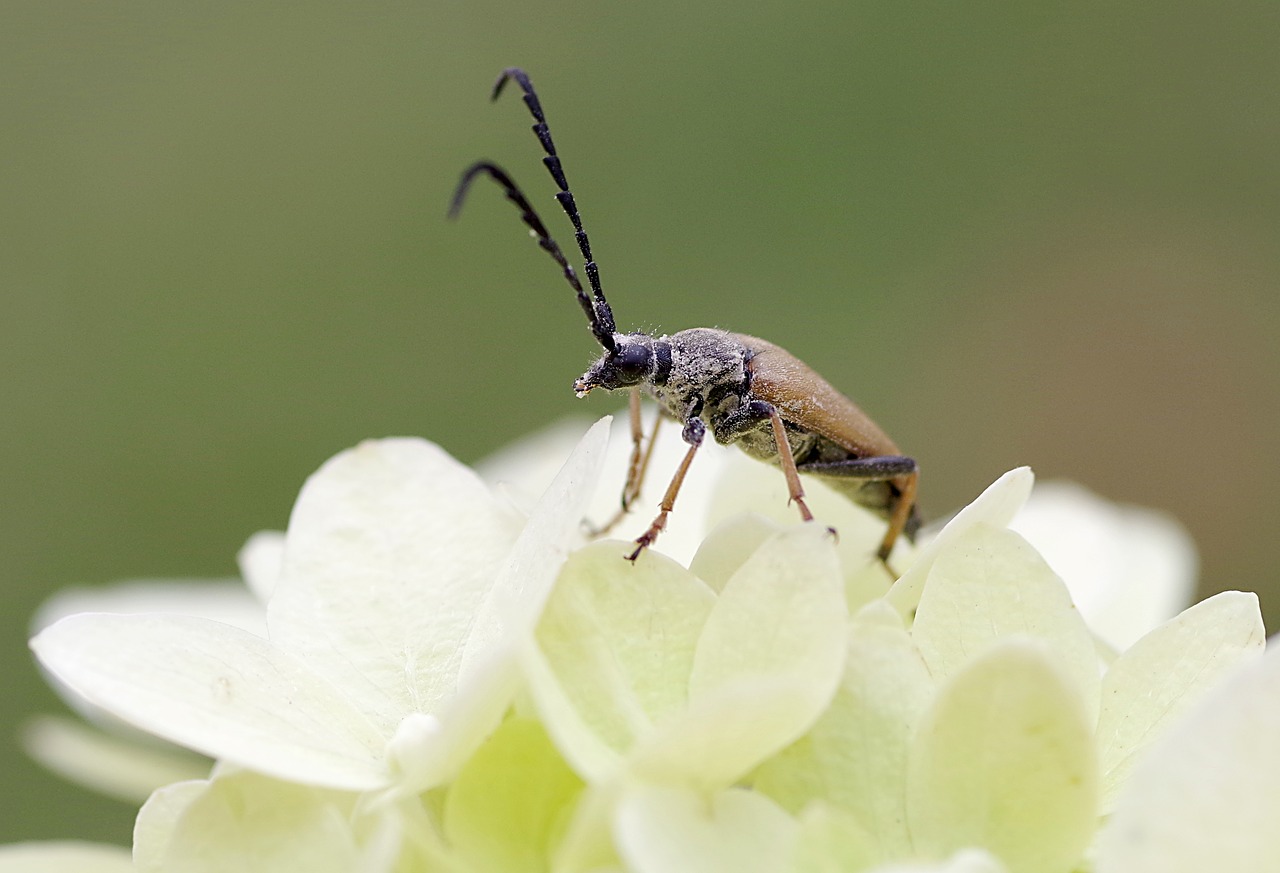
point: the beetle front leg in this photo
(694, 432)
(638, 466)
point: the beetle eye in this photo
(632, 360)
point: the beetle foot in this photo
(647, 538)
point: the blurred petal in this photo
(832, 841)
(67, 856)
(390, 550)
(1128, 568)
(729, 546)
(224, 600)
(111, 765)
(1204, 796)
(218, 690)
(987, 584)
(261, 561)
(1167, 671)
(963, 861)
(1004, 759)
(678, 830)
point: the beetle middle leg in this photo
(752, 415)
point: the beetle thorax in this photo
(705, 363)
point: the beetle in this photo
(746, 390)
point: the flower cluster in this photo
(449, 678)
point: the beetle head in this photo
(629, 363)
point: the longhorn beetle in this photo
(746, 390)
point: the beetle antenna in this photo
(604, 315)
(602, 331)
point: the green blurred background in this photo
(1037, 233)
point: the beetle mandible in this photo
(746, 390)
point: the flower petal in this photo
(390, 550)
(678, 830)
(767, 664)
(987, 584)
(247, 823)
(855, 757)
(615, 648)
(514, 601)
(996, 506)
(66, 856)
(746, 484)
(1005, 760)
(831, 840)
(1167, 671)
(1128, 568)
(224, 600)
(105, 763)
(218, 690)
(1203, 796)
(504, 810)
(963, 861)
(261, 561)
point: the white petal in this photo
(1005, 760)
(831, 840)
(250, 824)
(390, 550)
(1204, 796)
(856, 756)
(729, 546)
(157, 823)
(996, 507)
(64, 857)
(524, 469)
(745, 484)
(105, 763)
(615, 648)
(261, 561)
(218, 690)
(513, 603)
(510, 801)
(677, 830)
(1166, 672)
(767, 664)
(987, 584)
(963, 861)
(1128, 568)
(224, 600)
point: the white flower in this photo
(774, 701)
(386, 657)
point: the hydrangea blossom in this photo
(453, 679)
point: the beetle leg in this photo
(694, 431)
(747, 417)
(899, 469)
(636, 469)
(788, 463)
(744, 418)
